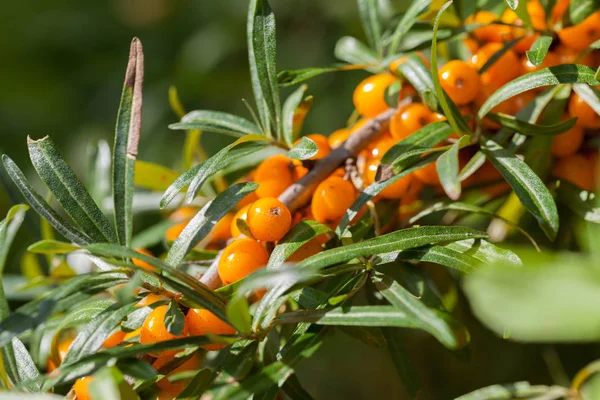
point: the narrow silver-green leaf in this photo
(567, 73)
(400, 240)
(263, 69)
(416, 72)
(513, 4)
(511, 391)
(581, 202)
(532, 192)
(538, 50)
(127, 138)
(299, 235)
(293, 77)
(304, 150)
(289, 111)
(528, 129)
(68, 190)
(52, 247)
(447, 170)
(371, 22)
(581, 9)
(409, 18)
(239, 315)
(216, 121)
(353, 51)
(174, 319)
(206, 219)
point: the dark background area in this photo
(62, 64)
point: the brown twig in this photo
(211, 277)
(299, 192)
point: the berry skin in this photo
(576, 169)
(489, 32)
(241, 214)
(308, 249)
(428, 175)
(567, 55)
(129, 336)
(201, 322)
(338, 137)
(579, 37)
(154, 329)
(150, 298)
(410, 119)
(538, 20)
(143, 264)
(460, 81)
(331, 199)
(322, 145)
(381, 146)
(81, 388)
(241, 258)
(114, 339)
(505, 69)
(221, 232)
(550, 60)
(586, 116)
(183, 214)
(567, 143)
(62, 349)
(471, 44)
(269, 219)
(273, 176)
(369, 95)
(175, 388)
(395, 191)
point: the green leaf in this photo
(300, 234)
(52, 247)
(293, 77)
(568, 73)
(186, 178)
(590, 95)
(525, 128)
(110, 383)
(27, 373)
(371, 22)
(125, 149)
(290, 106)
(84, 313)
(511, 391)
(304, 150)
(153, 176)
(400, 240)
(447, 169)
(174, 319)
(69, 190)
(239, 315)
(401, 359)
(42, 207)
(581, 202)
(513, 4)
(497, 55)
(294, 390)
(548, 300)
(409, 18)
(353, 51)
(206, 219)
(29, 396)
(442, 326)
(218, 122)
(581, 9)
(263, 70)
(416, 72)
(197, 385)
(532, 192)
(538, 50)
(213, 165)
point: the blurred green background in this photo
(61, 71)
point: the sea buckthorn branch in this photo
(211, 277)
(299, 192)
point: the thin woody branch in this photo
(299, 192)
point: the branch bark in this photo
(299, 193)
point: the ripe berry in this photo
(331, 199)
(338, 137)
(550, 60)
(576, 169)
(149, 299)
(395, 191)
(489, 32)
(460, 81)
(269, 219)
(241, 258)
(62, 349)
(322, 145)
(410, 119)
(308, 249)
(114, 339)
(175, 388)
(81, 388)
(369, 95)
(504, 69)
(154, 329)
(381, 146)
(221, 232)
(242, 213)
(586, 116)
(273, 176)
(567, 55)
(201, 321)
(538, 20)
(567, 143)
(579, 37)
(143, 264)
(428, 175)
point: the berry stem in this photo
(299, 192)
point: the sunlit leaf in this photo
(216, 121)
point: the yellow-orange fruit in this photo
(410, 119)
(489, 31)
(241, 258)
(581, 36)
(81, 388)
(577, 169)
(394, 191)
(241, 214)
(143, 264)
(586, 116)
(331, 199)
(369, 95)
(460, 81)
(322, 145)
(154, 329)
(504, 69)
(338, 137)
(175, 388)
(567, 143)
(222, 229)
(268, 219)
(201, 321)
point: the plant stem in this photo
(299, 192)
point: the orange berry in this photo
(567, 55)
(460, 81)
(538, 20)
(175, 388)
(567, 143)
(273, 176)
(369, 95)
(581, 36)
(81, 388)
(149, 299)
(308, 249)
(506, 107)
(143, 264)
(550, 60)
(409, 202)
(131, 335)
(559, 9)
(249, 199)
(183, 214)
(396, 63)
(410, 119)
(381, 146)
(241, 214)
(576, 169)
(154, 329)
(331, 199)
(338, 137)
(357, 125)
(471, 44)
(269, 219)
(428, 174)
(489, 32)
(322, 145)
(201, 322)
(241, 258)
(395, 191)
(174, 231)
(521, 100)
(299, 170)
(504, 69)
(221, 232)
(62, 350)
(114, 339)
(586, 116)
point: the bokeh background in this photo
(62, 64)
